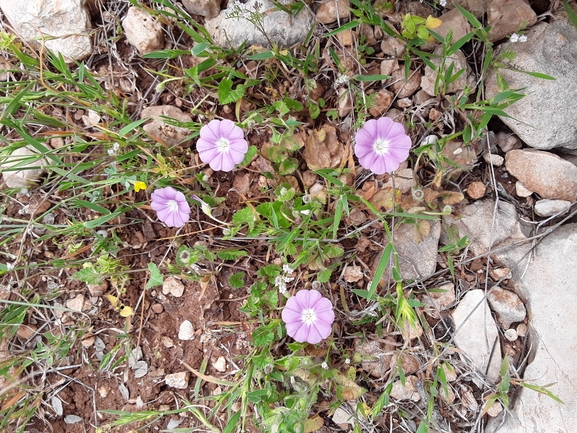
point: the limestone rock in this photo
(173, 286)
(476, 334)
(407, 391)
(281, 28)
(546, 283)
(439, 299)
(547, 208)
(383, 101)
(162, 131)
(459, 63)
(143, 31)
(509, 16)
(551, 49)
(205, 8)
(507, 305)
(544, 173)
(63, 25)
(476, 7)
(392, 46)
(177, 380)
(186, 331)
(404, 88)
(330, 11)
(22, 168)
(417, 252)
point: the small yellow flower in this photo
(139, 185)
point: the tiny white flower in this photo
(280, 284)
(287, 269)
(342, 79)
(114, 150)
(523, 38)
(443, 3)
(9, 266)
(514, 38)
(325, 366)
(347, 361)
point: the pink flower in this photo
(381, 145)
(308, 316)
(171, 206)
(221, 145)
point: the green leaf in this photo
(269, 271)
(103, 219)
(232, 423)
(199, 48)
(262, 56)
(470, 17)
(370, 78)
(165, 54)
(236, 281)
(570, 13)
(131, 126)
(231, 254)
(381, 267)
(249, 155)
(155, 276)
(225, 93)
(88, 275)
(324, 276)
(245, 216)
(288, 166)
(263, 336)
(347, 26)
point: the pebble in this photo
(494, 159)
(407, 391)
(342, 417)
(522, 330)
(98, 289)
(495, 410)
(140, 369)
(439, 299)
(29, 169)
(382, 102)
(143, 31)
(353, 274)
(186, 331)
(521, 191)
(26, 332)
(167, 341)
(476, 190)
(88, 341)
(330, 11)
(157, 308)
(544, 173)
(508, 142)
(77, 303)
(511, 334)
(501, 274)
(376, 357)
(507, 305)
(345, 102)
(173, 286)
(547, 208)
(220, 364)
(177, 380)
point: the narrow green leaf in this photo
(571, 14)
(130, 127)
(381, 268)
(104, 219)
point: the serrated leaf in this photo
(88, 275)
(245, 216)
(155, 276)
(288, 166)
(324, 276)
(225, 93)
(262, 336)
(231, 254)
(313, 424)
(236, 281)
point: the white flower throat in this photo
(172, 205)
(223, 145)
(309, 316)
(381, 146)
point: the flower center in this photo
(309, 316)
(172, 205)
(381, 146)
(223, 145)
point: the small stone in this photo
(375, 356)
(511, 334)
(476, 190)
(162, 131)
(330, 11)
(402, 88)
(447, 393)
(220, 364)
(26, 332)
(494, 159)
(404, 102)
(143, 31)
(88, 341)
(140, 369)
(103, 391)
(508, 142)
(507, 305)
(409, 363)
(521, 191)
(543, 172)
(98, 289)
(406, 392)
(177, 380)
(522, 330)
(382, 102)
(341, 417)
(72, 419)
(353, 274)
(173, 286)
(501, 274)
(345, 37)
(186, 331)
(77, 303)
(411, 331)
(393, 47)
(388, 66)
(450, 372)
(30, 167)
(439, 299)
(547, 208)
(167, 341)
(157, 308)
(205, 8)
(495, 410)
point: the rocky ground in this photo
(114, 322)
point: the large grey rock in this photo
(547, 283)
(544, 173)
(63, 25)
(476, 334)
(551, 48)
(280, 28)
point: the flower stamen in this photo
(381, 146)
(309, 316)
(223, 145)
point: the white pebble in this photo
(186, 331)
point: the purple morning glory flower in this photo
(221, 145)
(171, 206)
(381, 145)
(308, 316)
